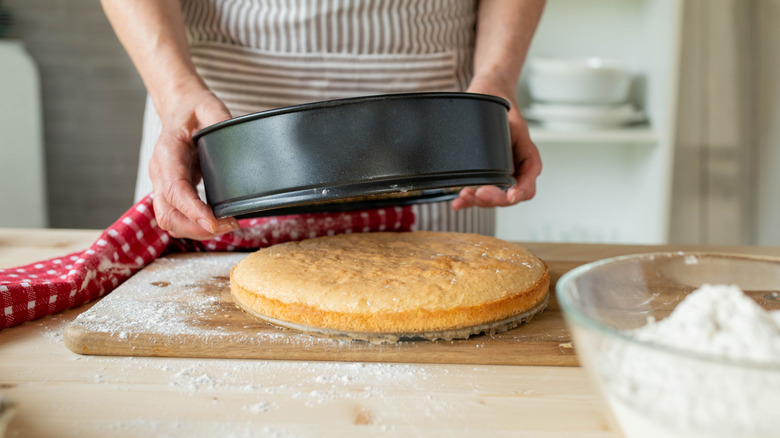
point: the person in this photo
(204, 61)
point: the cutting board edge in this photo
(77, 338)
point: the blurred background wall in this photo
(766, 127)
(727, 166)
(92, 109)
(717, 150)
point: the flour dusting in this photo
(657, 393)
(182, 298)
(163, 301)
(236, 398)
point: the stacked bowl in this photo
(580, 94)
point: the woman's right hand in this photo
(152, 32)
(175, 167)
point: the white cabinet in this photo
(608, 185)
(22, 180)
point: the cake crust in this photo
(410, 283)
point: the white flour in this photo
(258, 396)
(169, 304)
(653, 393)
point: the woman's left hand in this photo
(528, 163)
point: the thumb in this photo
(212, 111)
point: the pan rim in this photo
(347, 101)
(431, 188)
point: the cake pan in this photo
(363, 152)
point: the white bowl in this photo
(564, 117)
(595, 81)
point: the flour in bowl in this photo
(731, 389)
(719, 321)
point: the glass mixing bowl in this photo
(649, 390)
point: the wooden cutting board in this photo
(180, 306)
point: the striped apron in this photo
(257, 55)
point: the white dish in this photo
(578, 80)
(582, 117)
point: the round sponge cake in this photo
(414, 284)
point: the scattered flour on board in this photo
(259, 408)
(163, 301)
(168, 303)
(262, 391)
(721, 324)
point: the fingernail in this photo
(225, 228)
(518, 195)
(206, 225)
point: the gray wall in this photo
(92, 108)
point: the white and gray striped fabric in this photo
(257, 55)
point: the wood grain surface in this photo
(180, 306)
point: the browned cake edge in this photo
(411, 322)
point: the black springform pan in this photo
(347, 154)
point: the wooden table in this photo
(63, 394)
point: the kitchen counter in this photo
(60, 393)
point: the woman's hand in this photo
(528, 163)
(504, 32)
(152, 32)
(175, 168)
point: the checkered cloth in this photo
(47, 287)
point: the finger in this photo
(491, 196)
(526, 193)
(211, 111)
(170, 171)
(466, 192)
(178, 225)
(465, 199)
(226, 225)
(528, 162)
(183, 197)
(195, 172)
(515, 194)
(528, 171)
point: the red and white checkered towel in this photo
(47, 287)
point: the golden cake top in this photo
(390, 272)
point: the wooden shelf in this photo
(636, 135)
